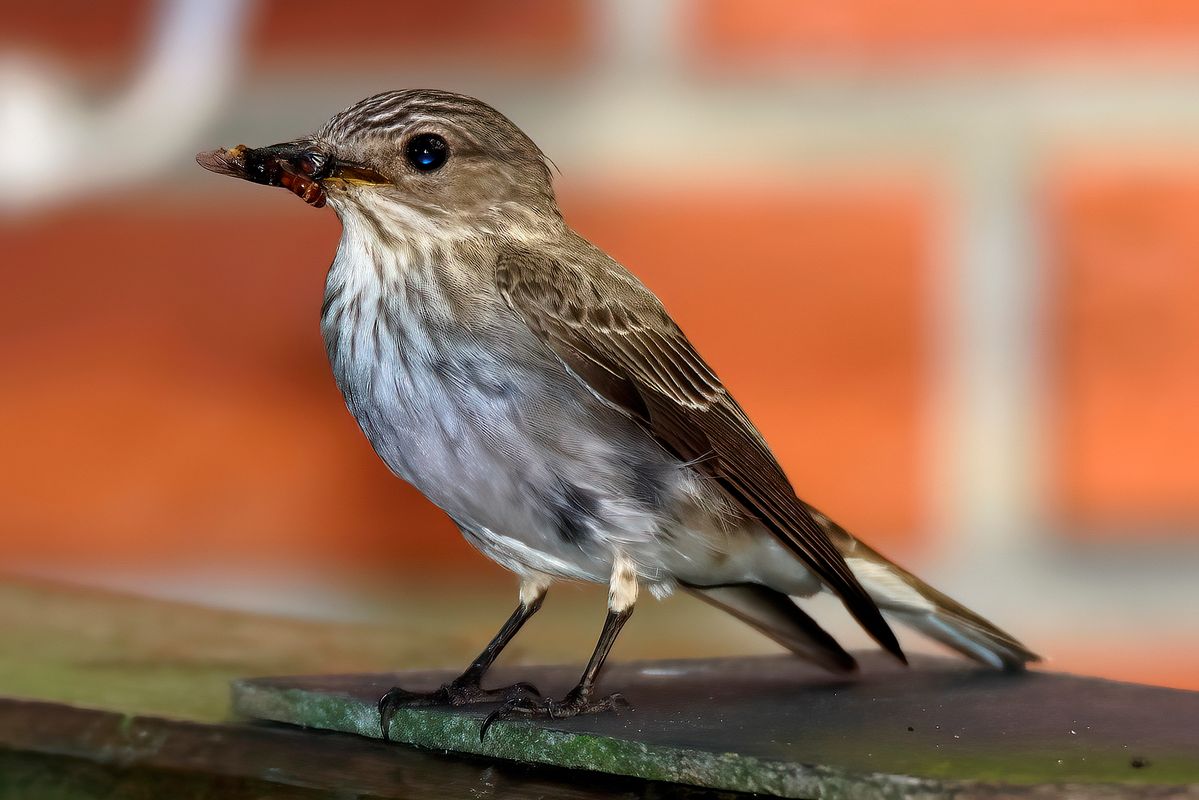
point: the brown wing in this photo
(614, 334)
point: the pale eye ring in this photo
(426, 152)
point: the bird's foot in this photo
(454, 693)
(536, 707)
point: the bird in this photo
(542, 396)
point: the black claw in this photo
(386, 710)
(486, 726)
(396, 697)
(522, 698)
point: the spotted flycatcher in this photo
(542, 397)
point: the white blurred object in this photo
(56, 145)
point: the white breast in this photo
(447, 408)
(384, 327)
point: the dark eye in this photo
(312, 164)
(426, 152)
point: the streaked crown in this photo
(442, 153)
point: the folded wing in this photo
(616, 337)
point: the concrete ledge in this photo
(776, 726)
(60, 752)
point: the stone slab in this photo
(777, 726)
(52, 751)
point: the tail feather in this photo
(952, 624)
(903, 596)
(990, 646)
(776, 615)
(897, 593)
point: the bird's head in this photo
(413, 159)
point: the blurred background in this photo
(946, 255)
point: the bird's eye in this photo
(426, 152)
(312, 164)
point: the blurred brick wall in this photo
(781, 33)
(1124, 330)
(166, 398)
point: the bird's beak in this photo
(291, 165)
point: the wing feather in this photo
(616, 337)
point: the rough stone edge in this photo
(527, 742)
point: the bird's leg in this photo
(622, 595)
(466, 688)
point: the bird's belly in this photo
(433, 436)
(527, 463)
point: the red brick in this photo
(771, 31)
(512, 35)
(1125, 336)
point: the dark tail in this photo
(776, 615)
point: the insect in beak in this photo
(296, 166)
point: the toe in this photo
(387, 706)
(396, 698)
(520, 705)
(576, 703)
(470, 694)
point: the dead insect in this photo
(307, 190)
(286, 165)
